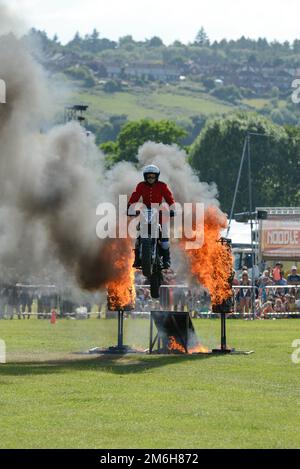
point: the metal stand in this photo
(119, 349)
(223, 348)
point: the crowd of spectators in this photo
(274, 293)
(175, 295)
(25, 301)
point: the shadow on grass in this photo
(116, 364)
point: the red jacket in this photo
(152, 194)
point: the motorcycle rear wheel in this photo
(155, 283)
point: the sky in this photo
(169, 19)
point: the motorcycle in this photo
(149, 249)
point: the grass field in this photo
(259, 103)
(154, 105)
(52, 397)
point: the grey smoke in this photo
(48, 192)
(51, 183)
(176, 171)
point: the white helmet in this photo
(151, 168)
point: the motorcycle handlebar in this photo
(133, 214)
(172, 213)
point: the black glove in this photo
(134, 214)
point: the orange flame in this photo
(212, 263)
(121, 290)
(173, 345)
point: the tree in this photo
(209, 83)
(93, 41)
(155, 41)
(216, 155)
(290, 168)
(95, 35)
(202, 38)
(296, 45)
(108, 130)
(252, 60)
(135, 133)
(125, 40)
(77, 40)
(262, 43)
(82, 73)
(178, 43)
(112, 86)
(229, 93)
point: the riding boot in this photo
(166, 258)
(137, 260)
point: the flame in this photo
(173, 345)
(121, 290)
(199, 348)
(212, 263)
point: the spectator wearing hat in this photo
(279, 307)
(293, 277)
(267, 309)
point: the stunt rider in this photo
(153, 191)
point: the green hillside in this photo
(149, 104)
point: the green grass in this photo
(51, 397)
(154, 105)
(259, 103)
(193, 105)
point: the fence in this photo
(271, 301)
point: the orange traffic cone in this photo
(53, 317)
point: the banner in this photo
(280, 239)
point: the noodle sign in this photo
(2, 92)
(280, 239)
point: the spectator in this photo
(2, 300)
(264, 281)
(257, 308)
(294, 277)
(289, 303)
(12, 300)
(25, 299)
(277, 274)
(279, 307)
(267, 309)
(244, 269)
(244, 294)
(235, 280)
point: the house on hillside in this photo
(114, 70)
(155, 71)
